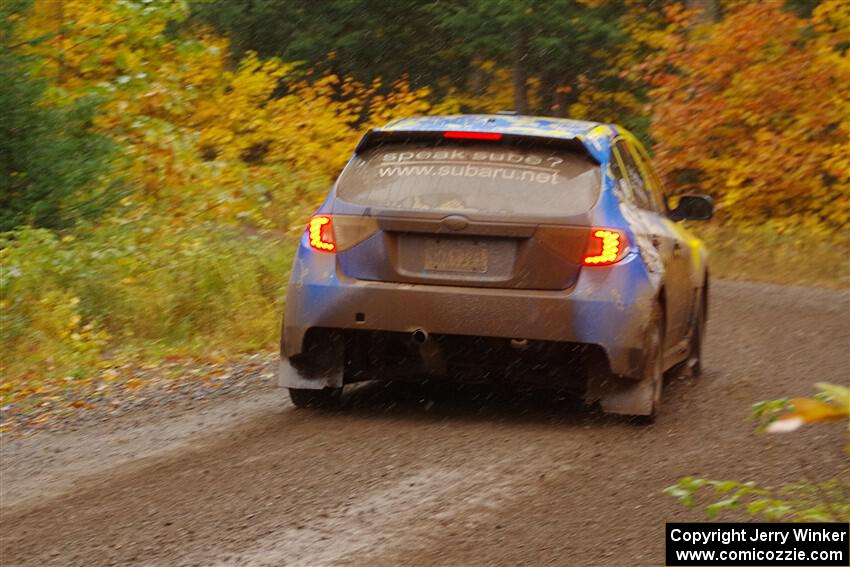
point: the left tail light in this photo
(336, 233)
(320, 231)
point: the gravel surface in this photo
(413, 476)
(134, 388)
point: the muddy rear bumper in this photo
(607, 307)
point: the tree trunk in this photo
(548, 86)
(708, 11)
(520, 75)
(476, 79)
(60, 34)
(562, 101)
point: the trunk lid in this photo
(467, 213)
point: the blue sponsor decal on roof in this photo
(595, 136)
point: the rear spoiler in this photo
(376, 137)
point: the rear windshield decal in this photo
(472, 177)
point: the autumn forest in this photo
(159, 158)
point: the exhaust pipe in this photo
(419, 336)
(433, 359)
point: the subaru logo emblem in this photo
(455, 222)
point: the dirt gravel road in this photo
(407, 476)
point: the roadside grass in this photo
(763, 254)
(136, 292)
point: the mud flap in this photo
(622, 396)
(320, 366)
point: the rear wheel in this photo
(697, 334)
(324, 398)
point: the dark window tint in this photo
(620, 178)
(640, 191)
(477, 178)
(654, 181)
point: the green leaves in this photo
(562, 47)
(803, 502)
(800, 502)
(766, 412)
(51, 159)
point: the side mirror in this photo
(693, 207)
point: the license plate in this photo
(455, 256)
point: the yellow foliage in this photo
(401, 102)
(202, 140)
(604, 106)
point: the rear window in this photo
(479, 178)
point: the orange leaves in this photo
(833, 405)
(756, 110)
(809, 410)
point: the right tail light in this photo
(605, 246)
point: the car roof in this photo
(564, 128)
(595, 135)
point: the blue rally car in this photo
(541, 251)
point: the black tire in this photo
(324, 398)
(694, 362)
